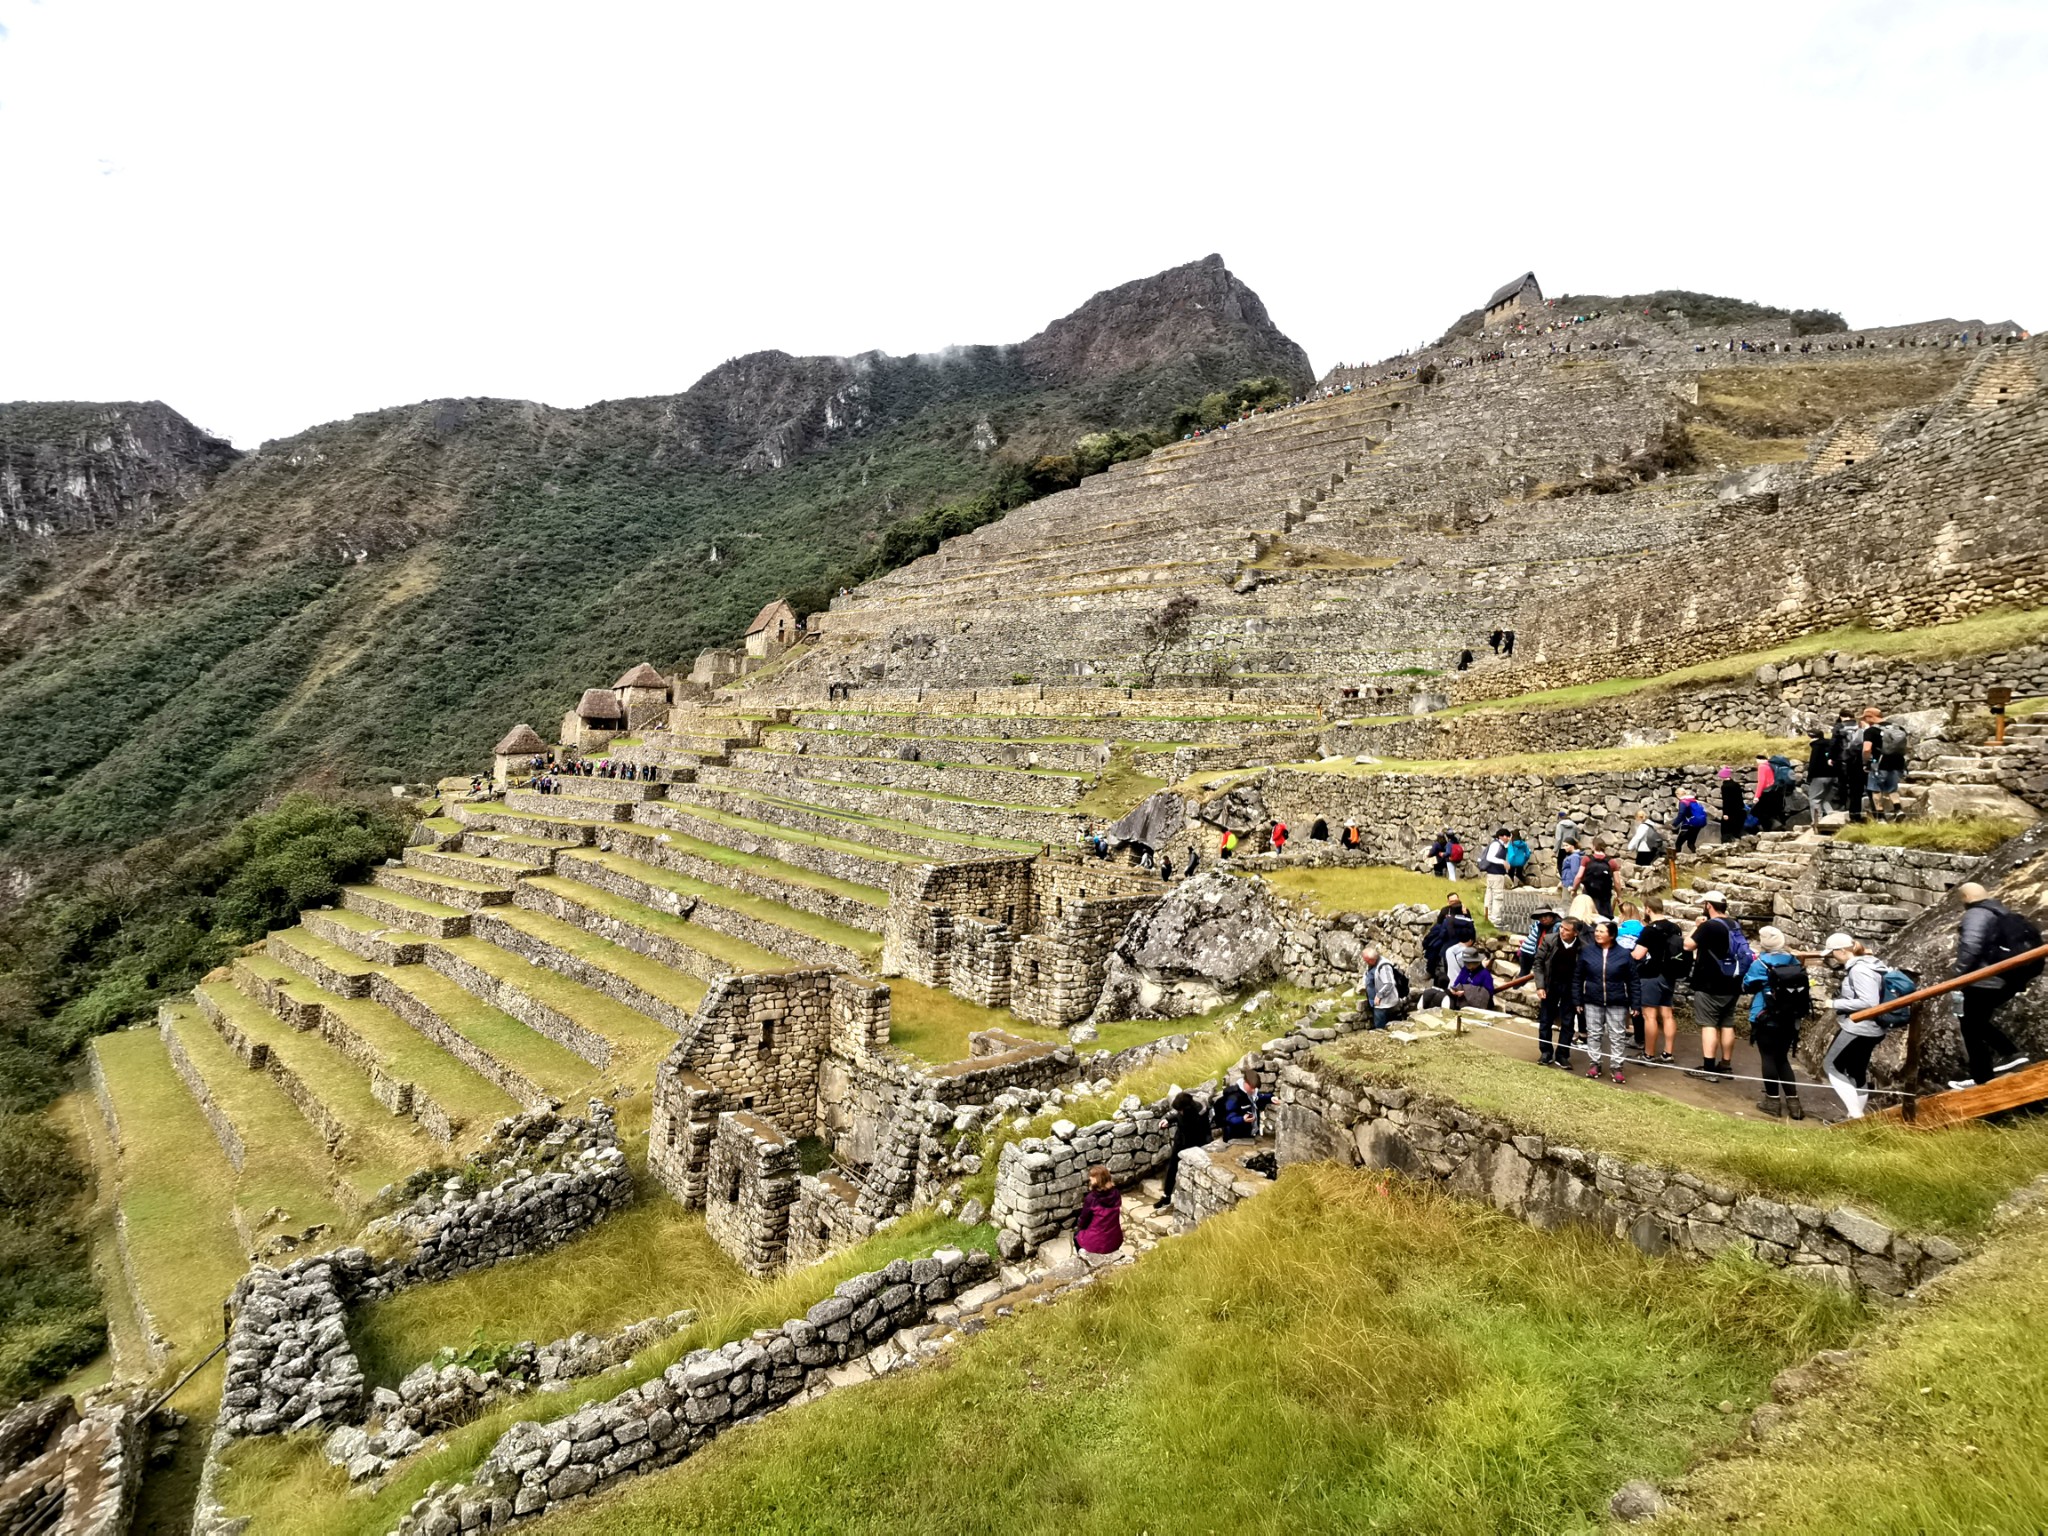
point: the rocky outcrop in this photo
(1205, 939)
(75, 467)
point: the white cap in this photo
(1838, 941)
(1715, 899)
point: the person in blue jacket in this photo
(1608, 989)
(1781, 999)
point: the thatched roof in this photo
(642, 676)
(1509, 290)
(521, 739)
(599, 704)
(767, 616)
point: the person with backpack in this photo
(1453, 926)
(1566, 838)
(1493, 868)
(1384, 985)
(1541, 927)
(1645, 841)
(1557, 995)
(1866, 982)
(1770, 797)
(1278, 837)
(1687, 821)
(1446, 854)
(1990, 932)
(1518, 860)
(1473, 986)
(1597, 878)
(1720, 957)
(1350, 842)
(1783, 1000)
(1849, 764)
(1884, 754)
(1823, 769)
(1660, 960)
(1608, 993)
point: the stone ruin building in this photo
(1522, 296)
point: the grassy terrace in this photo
(735, 953)
(629, 1032)
(1968, 637)
(284, 1163)
(552, 1068)
(1426, 1366)
(379, 1147)
(650, 976)
(801, 759)
(1736, 748)
(772, 869)
(933, 1025)
(399, 1049)
(774, 829)
(1921, 1430)
(1951, 834)
(884, 789)
(860, 940)
(1927, 1183)
(287, 1485)
(176, 1192)
(1375, 888)
(865, 819)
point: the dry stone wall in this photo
(1040, 1179)
(77, 1476)
(1658, 1210)
(289, 1363)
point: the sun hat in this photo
(1838, 941)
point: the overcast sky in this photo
(274, 214)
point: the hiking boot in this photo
(1793, 1107)
(1704, 1071)
(1725, 1067)
(1769, 1105)
(1960, 1083)
(1545, 1059)
(1665, 1060)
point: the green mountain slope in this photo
(378, 598)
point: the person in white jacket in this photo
(1847, 1062)
(1382, 992)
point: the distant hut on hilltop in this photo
(1523, 295)
(596, 719)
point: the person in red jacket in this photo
(1279, 837)
(1102, 1214)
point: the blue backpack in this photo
(1695, 814)
(1896, 984)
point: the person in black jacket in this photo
(1823, 770)
(1734, 813)
(1660, 962)
(1190, 1129)
(1608, 990)
(1453, 926)
(1557, 994)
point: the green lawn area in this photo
(288, 1486)
(652, 977)
(1376, 887)
(760, 864)
(552, 1068)
(1943, 1426)
(1949, 834)
(1342, 1354)
(633, 1037)
(1122, 785)
(1926, 1182)
(861, 941)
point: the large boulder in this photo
(1205, 939)
(1239, 809)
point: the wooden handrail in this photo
(1942, 988)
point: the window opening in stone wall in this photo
(732, 1188)
(747, 1102)
(767, 1040)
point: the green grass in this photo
(1949, 834)
(649, 1260)
(176, 1190)
(1376, 887)
(1988, 632)
(402, 901)
(861, 941)
(684, 991)
(1946, 1181)
(737, 954)
(1337, 1355)
(1121, 786)
(770, 829)
(287, 1485)
(771, 869)
(552, 1068)
(379, 1147)
(1943, 1426)
(1718, 747)
(933, 1024)
(630, 1033)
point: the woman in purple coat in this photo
(1102, 1214)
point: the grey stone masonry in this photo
(1040, 1179)
(70, 1474)
(550, 1178)
(289, 1363)
(1658, 1210)
(537, 1466)
(752, 1183)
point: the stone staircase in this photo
(1969, 777)
(1757, 879)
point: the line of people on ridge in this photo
(1610, 986)
(548, 775)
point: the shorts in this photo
(1656, 992)
(1885, 781)
(1712, 1012)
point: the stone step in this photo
(834, 857)
(358, 1130)
(363, 936)
(409, 1073)
(473, 868)
(279, 1159)
(803, 890)
(665, 995)
(671, 941)
(395, 909)
(441, 890)
(585, 1022)
(800, 937)
(568, 805)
